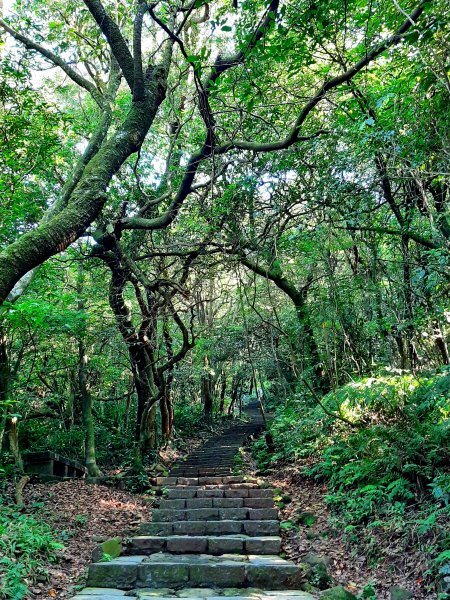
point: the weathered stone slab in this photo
(199, 503)
(263, 545)
(228, 502)
(197, 593)
(186, 544)
(201, 514)
(284, 593)
(161, 573)
(261, 493)
(233, 514)
(269, 527)
(95, 591)
(105, 596)
(173, 504)
(225, 545)
(234, 479)
(155, 528)
(258, 502)
(274, 576)
(223, 527)
(190, 528)
(210, 493)
(146, 544)
(187, 481)
(168, 516)
(182, 492)
(156, 593)
(219, 574)
(121, 573)
(237, 493)
(262, 514)
(166, 481)
(213, 480)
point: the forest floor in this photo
(83, 515)
(348, 565)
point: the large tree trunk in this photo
(223, 389)
(87, 199)
(85, 392)
(409, 304)
(146, 438)
(5, 381)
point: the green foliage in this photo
(26, 547)
(376, 473)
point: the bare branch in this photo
(294, 135)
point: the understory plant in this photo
(383, 453)
(27, 546)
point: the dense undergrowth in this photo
(381, 446)
(27, 546)
(115, 442)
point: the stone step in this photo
(223, 463)
(218, 492)
(217, 486)
(192, 481)
(202, 471)
(247, 527)
(214, 514)
(192, 594)
(187, 570)
(215, 545)
(212, 502)
(192, 473)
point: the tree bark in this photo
(89, 195)
(85, 392)
(206, 390)
(223, 389)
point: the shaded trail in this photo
(213, 536)
(217, 455)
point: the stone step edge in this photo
(240, 571)
(195, 503)
(251, 593)
(165, 515)
(204, 544)
(228, 479)
(245, 527)
(189, 493)
(219, 486)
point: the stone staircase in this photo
(213, 536)
(217, 455)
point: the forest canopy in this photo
(203, 202)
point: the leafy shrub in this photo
(394, 459)
(26, 546)
(187, 417)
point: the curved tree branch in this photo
(208, 149)
(117, 43)
(58, 62)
